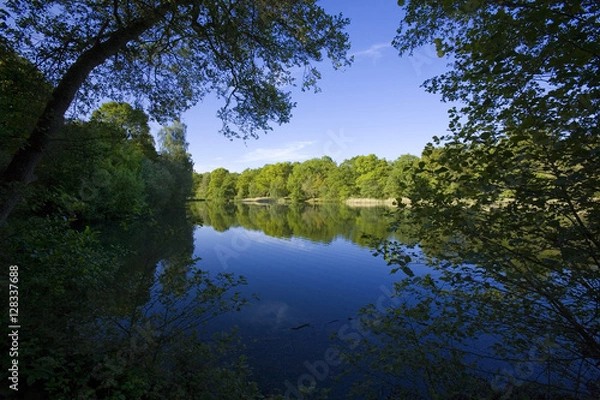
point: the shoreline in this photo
(370, 202)
(350, 202)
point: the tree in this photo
(133, 121)
(160, 183)
(203, 182)
(511, 200)
(166, 55)
(94, 173)
(399, 181)
(243, 183)
(308, 179)
(173, 143)
(272, 179)
(516, 66)
(371, 175)
(259, 187)
(229, 185)
(173, 152)
(23, 92)
(222, 184)
(341, 182)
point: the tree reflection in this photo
(488, 319)
(104, 322)
(319, 223)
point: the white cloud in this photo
(200, 168)
(374, 52)
(291, 152)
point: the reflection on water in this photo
(310, 267)
(272, 315)
(318, 223)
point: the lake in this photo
(311, 269)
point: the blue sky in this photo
(374, 106)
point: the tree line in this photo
(318, 178)
(106, 166)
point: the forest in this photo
(319, 178)
(505, 205)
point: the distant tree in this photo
(276, 176)
(244, 182)
(173, 152)
(196, 181)
(229, 185)
(308, 179)
(259, 187)
(399, 182)
(160, 184)
(341, 182)
(202, 188)
(167, 55)
(173, 142)
(222, 184)
(371, 175)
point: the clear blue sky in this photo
(374, 106)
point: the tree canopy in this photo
(108, 168)
(164, 57)
(171, 54)
(525, 66)
(508, 202)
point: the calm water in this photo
(310, 281)
(311, 269)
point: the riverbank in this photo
(264, 200)
(351, 202)
(368, 202)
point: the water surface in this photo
(311, 268)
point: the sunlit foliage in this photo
(360, 176)
(508, 201)
(164, 57)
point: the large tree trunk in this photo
(20, 171)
